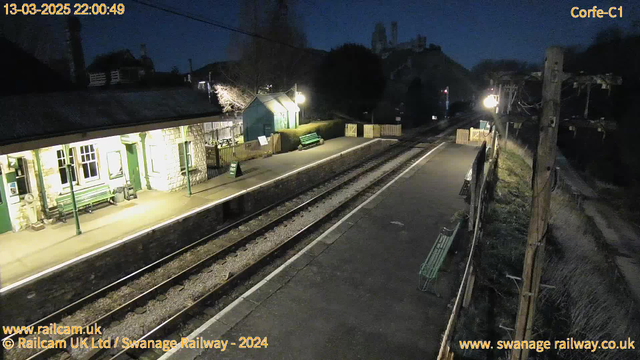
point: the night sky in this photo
(468, 31)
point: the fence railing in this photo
(478, 204)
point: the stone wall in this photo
(168, 141)
(59, 288)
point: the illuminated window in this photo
(189, 155)
(62, 162)
(114, 164)
(89, 162)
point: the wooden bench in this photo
(310, 140)
(431, 266)
(85, 199)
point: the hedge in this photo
(327, 129)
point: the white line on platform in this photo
(242, 297)
(172, 220)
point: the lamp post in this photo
(298, 98)
(446, 104)
(73, 195)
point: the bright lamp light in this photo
(300, 98)
(490, 102)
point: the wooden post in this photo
(544, 164)
(506, 137)
(586, 105)
(469, 288)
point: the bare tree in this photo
(231, 98)
(41, 36)
(265, 65)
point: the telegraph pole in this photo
(542, 182)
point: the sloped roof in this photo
(41, 116)
(277, 102)
(114, 61)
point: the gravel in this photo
(135, 324)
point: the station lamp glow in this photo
(300, 98)
(490, 102)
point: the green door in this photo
(134, 169)
(5, 220)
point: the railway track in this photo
(241, 249)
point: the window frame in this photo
(74, 169)
(117, 175)
(22, 165)
(92, 157)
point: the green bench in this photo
(85, 199)
(310, 140)
(431, 266)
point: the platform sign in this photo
(398, 118)
(235, 170)
(263, 140)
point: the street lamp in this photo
(300, 98)
(490, 101)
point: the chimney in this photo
(77, 70)
(143, 50)
(394, 33)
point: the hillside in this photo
(432, 66)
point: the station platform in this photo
(27, 254)
(353, 292)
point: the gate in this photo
(351, 130)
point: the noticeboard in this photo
(263, 140)
(235, 170)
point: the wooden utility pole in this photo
(542, 182)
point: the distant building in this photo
(381, 46)
(120, 67)
(269, 113)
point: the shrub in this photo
(326, 129)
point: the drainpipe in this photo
(73, 195)
(43, 194)
(143, 137)
(183, 130)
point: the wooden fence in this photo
(462, 136)
(390, 130)
(473, 136)
(351, 130)
(478, 136)
(371, 131)
(478, 205)
(223, 156)
(374, 130)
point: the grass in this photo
(499, 253)
(328, 129)
(590, 300)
